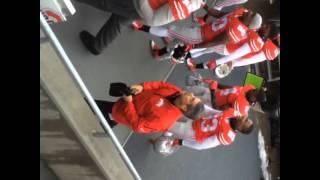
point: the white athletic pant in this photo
(243, 50)
(219, 49)
(189, 35)
(159, 17)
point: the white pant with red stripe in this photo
(189, 35)
(219, 49)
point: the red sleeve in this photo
(270, 50)
(237, 31)
(241, 106)
(225, 134)
(247, 88)
(139, 123)
(155, 85)
(255, 41)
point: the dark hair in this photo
(194, 112)
(261, 95)
(274, 31)
(247, 130)
(256, 95)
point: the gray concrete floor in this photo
(128, 60)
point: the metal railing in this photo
(74, 74)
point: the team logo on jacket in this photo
(160, 102)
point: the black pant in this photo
(123, 13)
(106, 108)
(213, 98)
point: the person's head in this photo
(242, 124)
(271, 31)
(256, 95)
(191, 106)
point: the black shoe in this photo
(89, 42)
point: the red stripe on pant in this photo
(185, 39)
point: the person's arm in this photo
(211, 142)
(260, 57)
(141, 124)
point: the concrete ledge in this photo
(61, 89)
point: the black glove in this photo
(179, 51)
(119, 89)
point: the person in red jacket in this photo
(154, 107)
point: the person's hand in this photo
(127, 98)
(136, 89)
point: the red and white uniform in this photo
(235, 98)
(205, 133)
(229, 21)
(161, 12)
(217, 126)
(229, 96)
(197, 35)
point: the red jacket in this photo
(149, 111)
